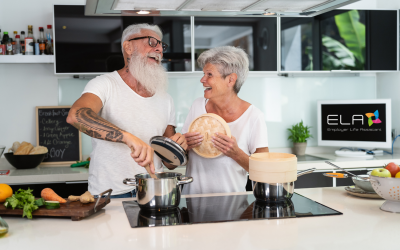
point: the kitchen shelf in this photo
(26, 59)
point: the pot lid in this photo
(168, 150)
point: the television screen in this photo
(364, 123)
(92, 44)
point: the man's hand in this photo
(142, 153)
(180, 139)
(193, 139)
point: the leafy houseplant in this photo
(299, 135)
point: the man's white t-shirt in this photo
(222, 174)
(143, 117)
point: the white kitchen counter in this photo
(60, 173)
(362, 226)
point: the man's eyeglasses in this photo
(153, 42)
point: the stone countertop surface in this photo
(64, 173)
(362, 226)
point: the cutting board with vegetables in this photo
(76, 210)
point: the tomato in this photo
(393, 168)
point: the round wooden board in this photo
(209, 124)
(361, 193)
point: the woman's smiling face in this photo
(213, 82)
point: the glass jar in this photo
(3, 227)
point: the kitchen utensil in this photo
(365, 185)
(2, 148)
(273, 167)
(273, 210)
(168, 150)
(356, 191)
(389, 189)
(330, 163)
(161, 194)
(209, 124)
(335, 175)
(74, 210)
(276, 192)
(147, 167)
(24, 161)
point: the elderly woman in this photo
(225, 70)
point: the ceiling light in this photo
(269, 13)
(143, 12)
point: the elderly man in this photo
(122, 110)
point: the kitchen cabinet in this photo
(257, 36)
(63, 189)
(355, 40)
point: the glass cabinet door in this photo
(340, 40)
(256, 35)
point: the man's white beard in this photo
(151, 76)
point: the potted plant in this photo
(299, 135)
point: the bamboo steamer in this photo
(273, 167)
(209, 124)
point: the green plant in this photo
(299, 132)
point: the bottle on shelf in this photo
(15, 34)
(17, 45)
(37, 49)
(22, 41)
(2, 49)
(42, 42)
(5, 37)
(9, 48)
(49, 43)
(29, 42)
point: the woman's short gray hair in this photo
(136, 28)
(228, 60)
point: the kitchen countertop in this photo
(63, 173)
(362, 226)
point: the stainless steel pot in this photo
(276, 192)
(161, 194)
(283, 209)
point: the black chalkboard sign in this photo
(61, 139)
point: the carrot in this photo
(49, 195)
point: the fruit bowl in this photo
(24, 161)
(389, 189)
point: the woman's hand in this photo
(180, 139)
(228, 146)
(193, 140)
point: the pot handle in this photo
(129, 181)
(185, 180)
(303, 172)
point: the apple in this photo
(393, 168)
(381, 172)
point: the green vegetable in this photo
(52, 204)
(84, 164)
(39, 202)
(23, 199)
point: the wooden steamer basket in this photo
(209, 124)
(273, 176)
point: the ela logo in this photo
(376, 120)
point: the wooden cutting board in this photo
(73, 209)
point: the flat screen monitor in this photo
(355, 123)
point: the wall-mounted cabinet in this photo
(257, 36)
(356, 40)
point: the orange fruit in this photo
(5, 192)
(397, 175)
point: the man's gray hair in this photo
(228, 60)
(136, 28)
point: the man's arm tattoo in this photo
(97, 127)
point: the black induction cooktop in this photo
(223, 209)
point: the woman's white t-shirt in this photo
(222, 174)
(143, 117)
